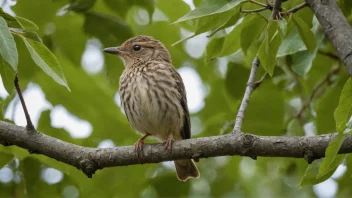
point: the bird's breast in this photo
(154, 106)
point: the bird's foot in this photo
(139, 144)
(168, 143)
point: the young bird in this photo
(153, 96)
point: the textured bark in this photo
(335, 27)
(91, 159)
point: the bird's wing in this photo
(186, 129)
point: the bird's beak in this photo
(112, 50)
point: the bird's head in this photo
(140, 48)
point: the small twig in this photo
(29, 126)
(250, 84)
(329, 54)
(295, 9)
(258, 3)
(252, 11)
(264, 7)
(247, 95)
(257, 83)
(317, 87)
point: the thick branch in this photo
(91, 159)
(335, 27)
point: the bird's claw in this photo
(168, 143)
(138, 146)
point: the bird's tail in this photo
(186, 169)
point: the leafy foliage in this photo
(48, 43)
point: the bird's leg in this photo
(139, 144)
(168, 143)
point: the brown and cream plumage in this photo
(153, 96)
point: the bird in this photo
(153, 96)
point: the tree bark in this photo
(91, 159)
(335, 27)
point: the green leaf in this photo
(331, 160)
(343, 112)
(109, 29)
(236, 80)
(121, 7)
(327, 104)
(252, 29)
(346, 7)
(81, 5)
(232, 21)
(72, 48)
(283, 26)
(268, 50)
(7, 76)
(27, 24)
(167, 7)
(31, 173)
(295, 128)
(48, 11)
(179, 190)
(310, 176)
(266, 106)
(10, 20)
(45, 59)
(210, 7)
(232, 43)
(302, 60)
(305, 33)
(213, 47)
(291, 44)
(5, 158)
(8, 48)
(211, 22)
(32, 35)
(349, 164)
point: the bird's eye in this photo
(137, 47)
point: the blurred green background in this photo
(215, 70)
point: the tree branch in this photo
(335, 27)
(90, 160)
(30, 126)
(247, 95)
(251, 80)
